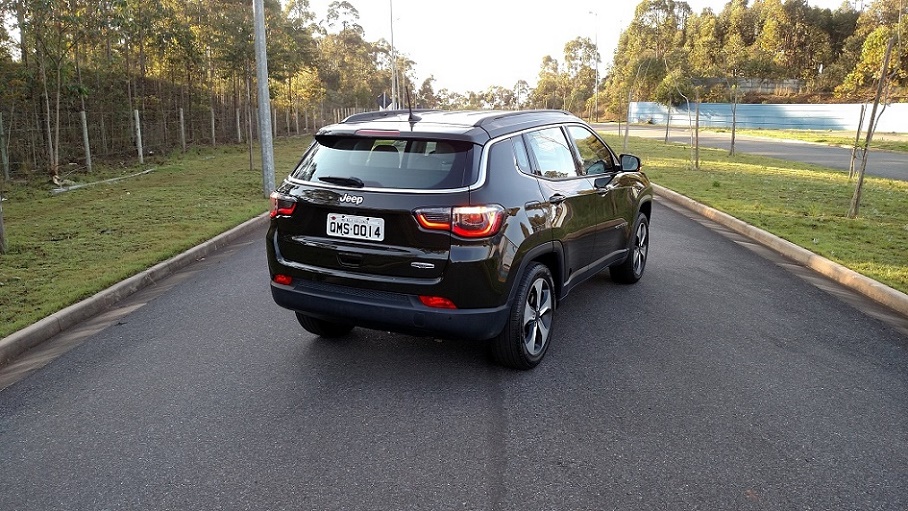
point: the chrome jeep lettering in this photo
(353, 199)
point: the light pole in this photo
(394, 92)
(264, 99)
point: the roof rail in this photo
(380, 114)
(521, 113)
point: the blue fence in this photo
(798, 117)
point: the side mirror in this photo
(630, 163)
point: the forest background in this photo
(76, 74)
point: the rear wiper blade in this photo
(343, 181)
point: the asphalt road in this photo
(720, 381)
(888, 164)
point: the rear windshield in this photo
(388, 163)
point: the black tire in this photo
(323, 328)
(528, 331)
(630, 271)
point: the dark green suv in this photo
(466, 225)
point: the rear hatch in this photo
(356, 201)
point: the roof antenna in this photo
(413, 119)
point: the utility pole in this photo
(395, 99)
(264, 98)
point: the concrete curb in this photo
(30, 336)
(880, 293)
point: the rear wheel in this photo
(323, 328)
(632, 268)
(528, 331)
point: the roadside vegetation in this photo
(804, 204)
(84, 80)
(66, 247)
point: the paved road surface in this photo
(720, 381)
(888, 164)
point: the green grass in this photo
(66, 247)
(63, 248)
(802, 203)
(885, 141)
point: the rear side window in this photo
(388, 163)
(553, 154)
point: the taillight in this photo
(284, 280)
(437, 302)
(464, 221)
(281, 205)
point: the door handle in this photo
(557, 198)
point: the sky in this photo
(470, 45)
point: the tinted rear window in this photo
(388, 163)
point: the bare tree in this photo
(871, 127)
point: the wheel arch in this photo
(551, 255)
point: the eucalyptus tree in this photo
(425, 96)
(640, 63)
(51, 31)
(297, 52)
(552, 86)
(580, 58)
(877, 24)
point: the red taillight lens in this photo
(437, 302)
(464, 221)
(436, 219)
(477, 222)
(284, 280)
(281, 205)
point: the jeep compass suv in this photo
(461, 224)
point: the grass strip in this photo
(804, 204)
(67, 246)
(63, 248)
(885, 141)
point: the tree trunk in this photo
(668, 121)
(47, 119)
(871, 127)
(734, 118)
(83, 116)
(697, 136)
(2, 229)
(23, 46)
(857, 142)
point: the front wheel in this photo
(632, 268)
(323, 328)
(528, 331)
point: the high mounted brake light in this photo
(377, 133)
(463, 221)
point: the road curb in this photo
(876, 291)
(32, 335)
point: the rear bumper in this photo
(388, 311)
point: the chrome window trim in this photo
(482, 176)
(294, 181)
(483, 168)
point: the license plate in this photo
(356, 227)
